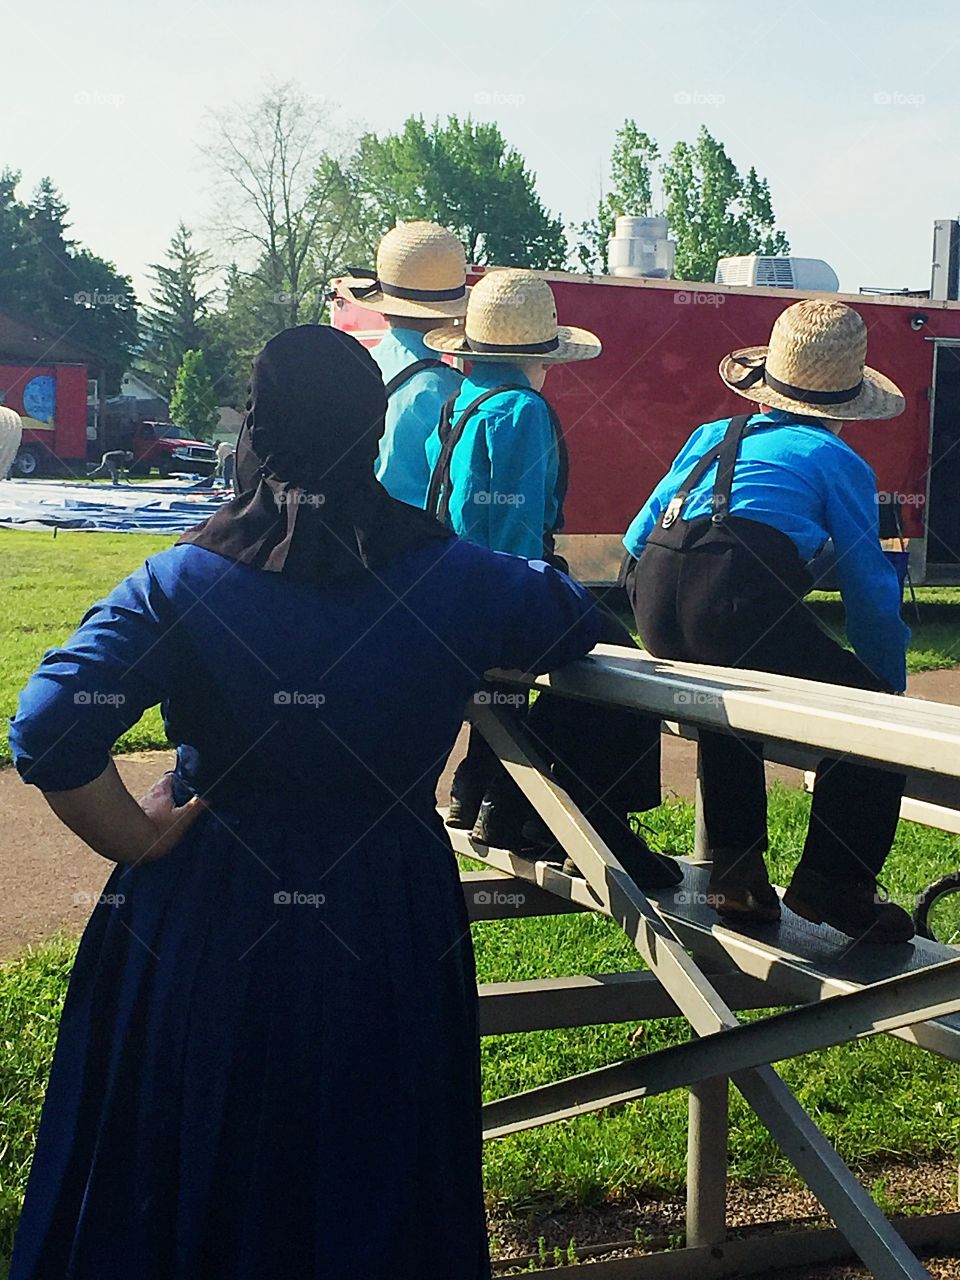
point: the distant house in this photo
(133, 385)
(228, 426)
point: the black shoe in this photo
(740, 890)
(462, 813)
(466, 796)
(650, 870)
(503, 814)
(859, 908)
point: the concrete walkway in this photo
(49, 879)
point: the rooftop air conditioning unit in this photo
(640, 247)
(811, 275)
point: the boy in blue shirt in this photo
(717, 574)
(420, 284)
(499, 480)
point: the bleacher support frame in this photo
(697, 969)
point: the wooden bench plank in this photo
(892, 732)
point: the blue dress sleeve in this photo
(547, 619)
(122, 659)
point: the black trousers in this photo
(740, 613)
(607, 758)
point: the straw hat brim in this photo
(573, 344)
(455, 308)
(879, 397)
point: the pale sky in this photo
(851, 108)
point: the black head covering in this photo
(308, 503)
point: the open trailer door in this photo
(943, 489)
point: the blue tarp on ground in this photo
(123, 508)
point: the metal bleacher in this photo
(827, 990)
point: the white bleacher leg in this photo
(701, 846)
(707, 1127)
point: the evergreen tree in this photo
(236, 333)
(193, 405)
(59, 284)
(14, 266)
(175, 323)
(72, 290)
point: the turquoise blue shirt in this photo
(413, 412)
(504, 470)
(809, 484)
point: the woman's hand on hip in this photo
(105, 815)
(170, 820)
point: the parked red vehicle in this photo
(170, 449)
(626, 414)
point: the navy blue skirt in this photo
(268, 1066)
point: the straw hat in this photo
(512, 315)
(421, 273)
(814, 364)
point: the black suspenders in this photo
(451, 433)
(398, 379)
(725, 455)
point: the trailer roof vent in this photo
(811, 275)
(640, 247)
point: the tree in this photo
(175, 323)
(14, 266)
(47, 246)
(104, 314)
(236, 332)
(632, 175)
(713, 211)
(285, 209)
(465, 176)
(193, 405)
(60, 284)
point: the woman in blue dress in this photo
(268, 1060)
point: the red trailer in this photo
(54, 413)
(44, 379)
(626, 414)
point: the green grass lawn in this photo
(874, 1098)
(935, 642)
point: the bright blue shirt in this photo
(504, 470)
(413, 412)
(809, 484)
